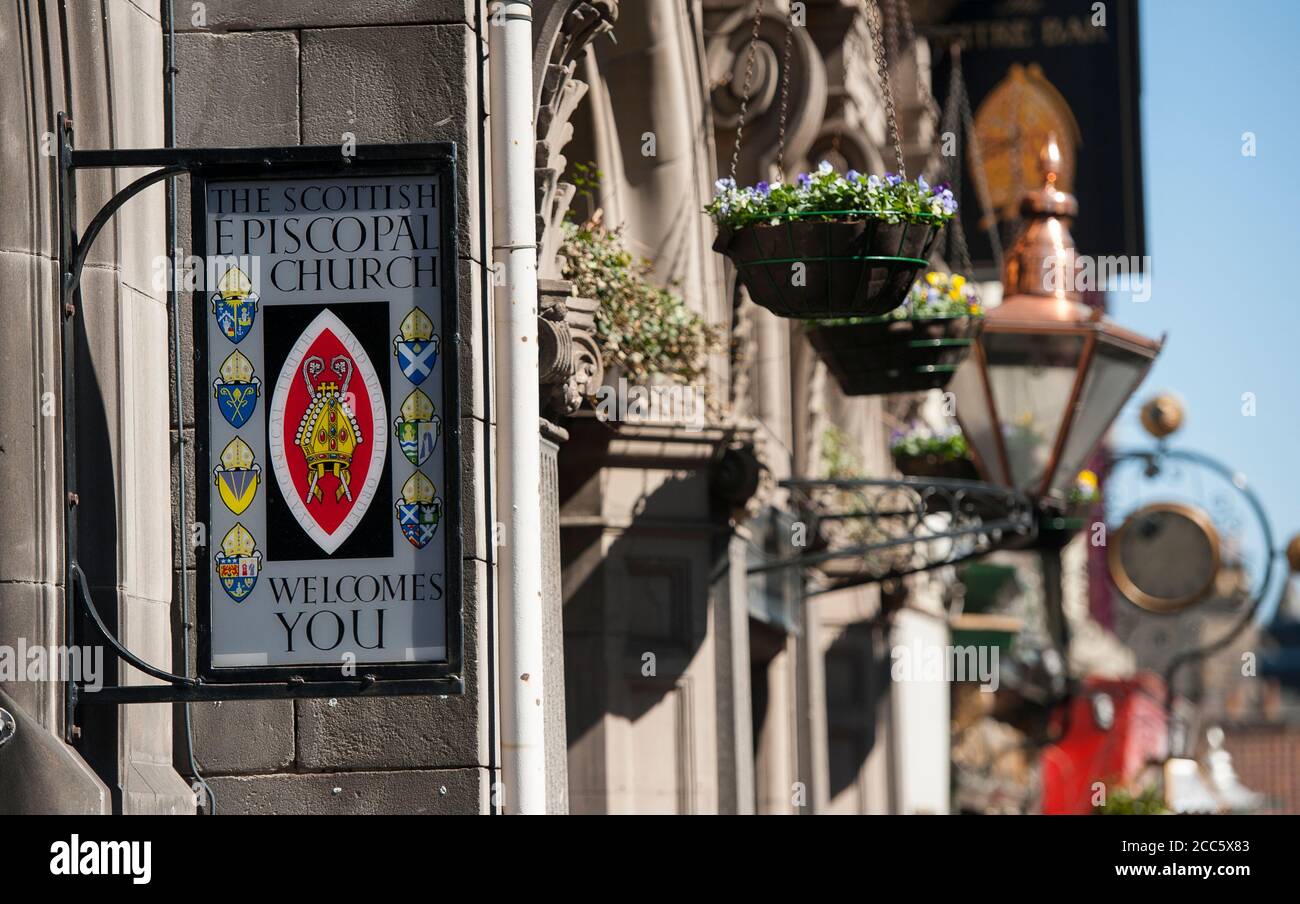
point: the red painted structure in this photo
(1091, 752)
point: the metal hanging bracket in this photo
(871, 530)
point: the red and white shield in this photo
(328, 438)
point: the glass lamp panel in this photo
(1031, 376)
(1112, 378)
(967, 387)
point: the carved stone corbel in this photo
(569, 360)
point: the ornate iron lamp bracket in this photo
(865, 531)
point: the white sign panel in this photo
(329, 414)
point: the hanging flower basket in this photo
(807, 266)
(830, 244)
(932, 465)
(916, 348)
(1083, 496)
(922, 452)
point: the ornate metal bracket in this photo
(866, 531)
(1232, 486)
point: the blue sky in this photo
(1222, 236)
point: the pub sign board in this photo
(327, 414)
(1037, 67)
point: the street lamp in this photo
(1049, 374)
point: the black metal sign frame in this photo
(251, 164)
(436, 160)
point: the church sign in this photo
(327, 416)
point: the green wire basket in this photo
(880, 355)
(820, 263)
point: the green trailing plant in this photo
(646, 329)
(944, 445)
(826, 195)
(839, 460)
(1122, 802)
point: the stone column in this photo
(105, 72)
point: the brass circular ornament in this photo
(1162, 415)
(1293, 553)
(1165, 557)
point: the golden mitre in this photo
(238, 542)
(417, 325)
(417, 407)
(237, 456)
(237, 369)
(418, 488)
(234, 285)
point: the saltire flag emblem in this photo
(416, 347)
(418, 510)
(418, 428)
(238, 563)
(236, 391)
(328, 443)
(235, 305)
(237, 476)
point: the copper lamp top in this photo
(1039, 276)
(1041, 263)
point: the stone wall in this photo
(316, 72)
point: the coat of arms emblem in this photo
(418, 428)
(416, 346)
(237, 476)
(234, 304)
(419, 510)
(238, 563)
(328, 445)
(237, 389)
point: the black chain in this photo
(891, 115)
(749, 78)
(785, 93)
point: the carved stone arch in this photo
(569, 356)
(727, 60)
(566, 28)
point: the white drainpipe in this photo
(514, 225)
